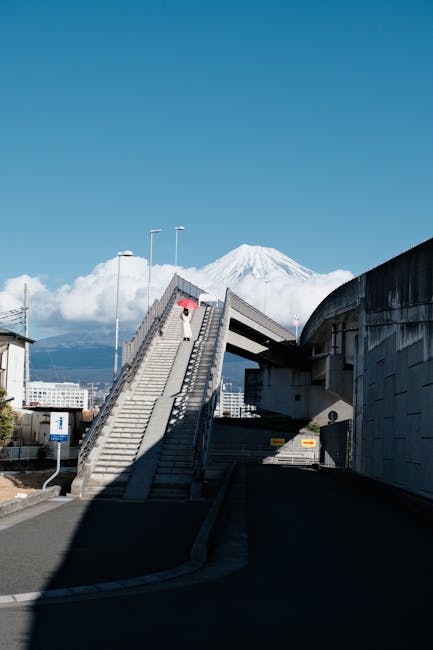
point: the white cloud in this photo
(91, 299)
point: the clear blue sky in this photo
(304, 126)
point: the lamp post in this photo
(266, 286)
(152, 232)
(177, 229)
(296, 324)
(116, 342)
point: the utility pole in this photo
(92, 385)
(26, 347)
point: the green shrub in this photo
(6, 420)
(313, 427)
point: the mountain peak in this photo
(258, 261)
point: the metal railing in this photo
(132, 355)
(259, 317)
(156, 312)
(33, 452)
(95, 428)
(208, 403)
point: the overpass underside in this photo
(152, 437)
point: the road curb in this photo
(198, 557)
(200, 547)
(15, 505)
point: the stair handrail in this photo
(130, 349)
(207, 405)
(132, 353)
(98, 422)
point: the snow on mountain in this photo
(264, 277)
(257, 261)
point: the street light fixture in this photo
(116, 343)
(177, 229)
(152, 232)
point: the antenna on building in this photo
(26, 346)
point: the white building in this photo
(232, 405)
(12, 357)
(65, 394)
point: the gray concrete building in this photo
(366, 354)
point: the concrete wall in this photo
(15, 374)
(394, 373)
(289, 391)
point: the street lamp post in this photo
(152, 232)
(177, 229)
(266, 286)
(296, 324)
(116, 342)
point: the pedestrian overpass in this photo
(152, 436)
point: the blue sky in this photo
(303, 126)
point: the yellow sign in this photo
(277, 442)
(308, 442)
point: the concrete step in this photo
(101, 478)
(125, 458)
(120, 438)
(169, 494)
(106, 492)
(133, 427)
(117, 466)
(171, 481)
(167, 472)
(119, 453)
(110, 474)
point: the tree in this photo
(6, 419)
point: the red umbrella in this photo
(188, 303)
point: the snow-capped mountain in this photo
(264, 277)
(256, 261)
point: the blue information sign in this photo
(58, 437)
(59, 427)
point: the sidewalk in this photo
(86, 542)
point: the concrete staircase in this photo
(145, 448)
(113, 456)
(174, 470)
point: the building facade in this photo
(65, 394)
(12, 358)
(232, 405)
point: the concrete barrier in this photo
(14, 505)
(200, 547)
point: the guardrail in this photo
(130, 349)
(93, 431)
(33, 452)
(208, 403)
(132, 354)
(259, 317)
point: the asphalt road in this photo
(332, 564)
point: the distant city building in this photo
(66, 394)
(232, 405)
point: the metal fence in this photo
(33, 452)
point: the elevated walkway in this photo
(152, 436)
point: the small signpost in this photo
(277, 442)
(59, 426)
(308, 442)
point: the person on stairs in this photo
(186, 320)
